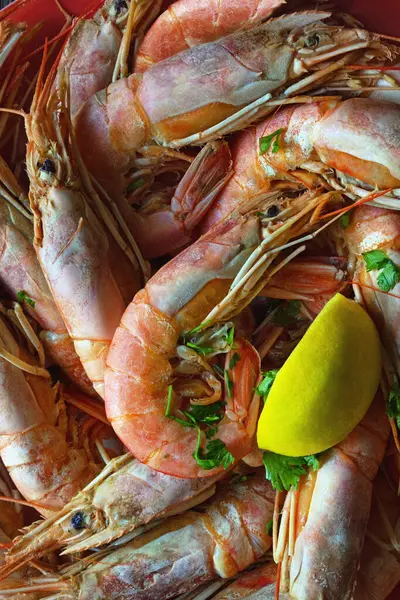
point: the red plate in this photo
(382, 16)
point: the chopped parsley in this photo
(286, 313)
(197, 329)
(344, 220)
(21, 296)
(210, 432)
(393, 403)
(284, 472)
(389, 275)
(190, 423)
(265, 385)
(375, 260)
(273, 139)
(234, 360)
(228, 383)
(215, 455)
(203, 350)
(135, 185)
(207, 413)
(229, 336)
(211, 341)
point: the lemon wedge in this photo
(326, 385)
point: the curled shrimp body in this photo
(143, 381)
(123, 499)
(35, 453)
(220, 78)
(187, 551)
(187, 23)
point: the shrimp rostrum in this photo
(181, 554)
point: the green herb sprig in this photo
(389, 273)
(273, 139)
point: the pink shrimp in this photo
(224, 81)
(331, 511)
(22, 277)
(187, 23)
(257, 584)
(123, 499)
(350, 145)
(374, 228)
(163, 224)
(93, 50)
(176, 557)
(141, 392)
(380, 567)
(43, 468)
(92, 267)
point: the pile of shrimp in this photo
(183, 187)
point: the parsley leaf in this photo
(190, 423)
(287, 313)
(388, 277)
(228, 383)
(269, 526)
(284, 472)
(21, 296)
(271, 140)
(375, 259)
(203, 350)
(202, 325)
(216, 454)
(393, 403)
(207, 413)
(344, 220)
(265, 385)
(210, 432)
(229, 336)
(234, 360)
(135, 185)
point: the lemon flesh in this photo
(326, 385)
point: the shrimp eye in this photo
(120, 5)
(273, 211)
(77, 521)
(47, 166)
(312, 40)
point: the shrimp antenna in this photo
(387, 37)
(346, 209)
(13, 500)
